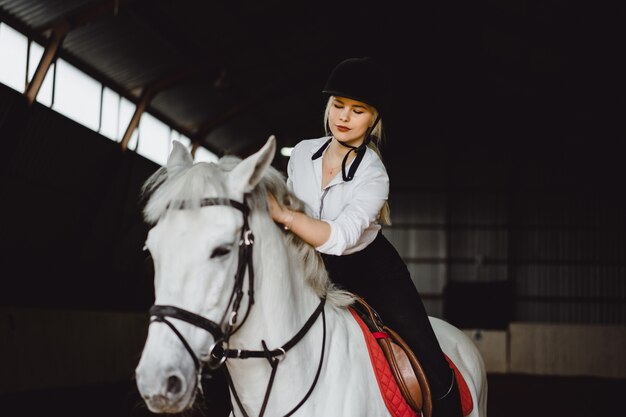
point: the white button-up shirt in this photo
(350, 208)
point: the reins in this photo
(271, 355)
(219, 352)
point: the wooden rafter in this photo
(48, 57)
(145, 99)
(150, 91)
(58, 31)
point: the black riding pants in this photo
(378, 274)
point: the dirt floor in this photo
(509, 396)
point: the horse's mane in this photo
(190, 184)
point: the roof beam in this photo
(144, 100)
(150, 91)
(48, 57)
(194, 148)
(59, 30)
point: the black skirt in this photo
(378, 274)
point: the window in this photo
(13, 49)
(77, 95)
(204, 155)
(127, 110)
(44, 95)
(154, 139)
(109, 126)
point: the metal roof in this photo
(230, 73)
(228, 66)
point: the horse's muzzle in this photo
(166, 394)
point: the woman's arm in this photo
(314, 232)
(363, 208)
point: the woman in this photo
(345, 186)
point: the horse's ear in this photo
(248, 173)
(179, 157)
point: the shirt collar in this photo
(321, 143)
(322, 146)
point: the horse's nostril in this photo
(174, 384)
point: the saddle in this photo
(405, 367)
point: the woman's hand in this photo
(314, 232)
(279, 213)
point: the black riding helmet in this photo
(360, 79)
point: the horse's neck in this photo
(283, 303)
(283, 300)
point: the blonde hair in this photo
(377, 133)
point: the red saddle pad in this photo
(395, 402)
(467, 404)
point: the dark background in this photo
(516, 102)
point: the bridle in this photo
(219, 351)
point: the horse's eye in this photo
(220, 251)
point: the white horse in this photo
(310, 354)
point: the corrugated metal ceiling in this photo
(234, 59)
(254, 68)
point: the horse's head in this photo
(196, 251)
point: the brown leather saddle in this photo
(404, 365)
